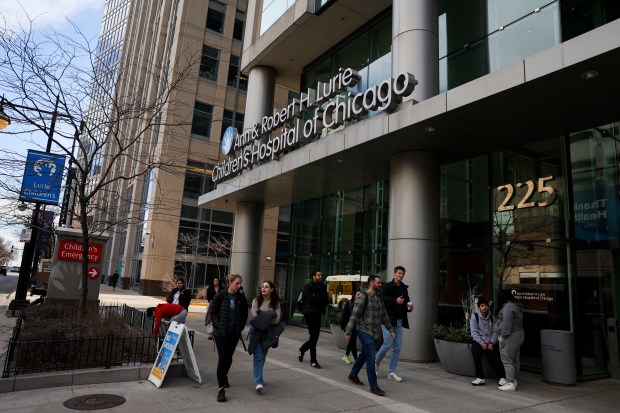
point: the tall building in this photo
(161, 231)
(474, 142)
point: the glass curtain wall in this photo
(340, 234)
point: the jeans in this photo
(180, 318)
(314, 328)
(366, 356)
(393, 343)
(225, 349)
(493, 355)
(258, 363)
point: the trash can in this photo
(558, 357)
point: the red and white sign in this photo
(70, 250)
(93, 273)
(25, 235)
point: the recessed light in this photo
(429, 129)
(338, 160)
(590, 74)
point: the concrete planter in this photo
(456, 358)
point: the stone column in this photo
(413, 242)
(244, 259)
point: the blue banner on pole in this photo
(42, 178)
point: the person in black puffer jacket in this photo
(229, 313)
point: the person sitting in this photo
(484, 334)
(174, 312)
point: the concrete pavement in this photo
(292, 386)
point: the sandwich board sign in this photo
(175, 337)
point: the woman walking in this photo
(229, 312)
(510, 336)
(265, 328)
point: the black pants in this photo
(314, 329)
(225, 349)
(494, 358)
(352, 345)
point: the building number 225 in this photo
(525, 201)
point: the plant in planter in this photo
(334, 315)
(453, 342)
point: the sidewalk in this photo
(292, 386)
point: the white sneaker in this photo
(259, 388)
(508, 387)
(502, 381)
(393, 376)
(346, 359)
(479, 382)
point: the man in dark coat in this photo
(315, 300)
(397, 304)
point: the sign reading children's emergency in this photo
(70, 250)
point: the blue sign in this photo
(228, 139)
(42, 178)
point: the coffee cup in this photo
(410, 306)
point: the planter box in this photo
(456, 358)
(338, 336)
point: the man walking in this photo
(368, 313)
(314, 299)
(397, 304)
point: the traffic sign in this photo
(93, 273)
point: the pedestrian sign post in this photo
(175, 337)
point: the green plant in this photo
(334, 315)
(457, 333)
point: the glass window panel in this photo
(524, 38)
(460, 23)
(201, 122)
(503, 12)
(223, 217)
(189, 212)
(463, 66)
(209, 63)
(216, 16)
(272, 10)
(233, 74)
(238, 27)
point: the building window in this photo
(216, 16)
(197, 182)
(239, 23)
(233, 74)
(209, 63)
(201, 123)
(227, 120)
(272, 10)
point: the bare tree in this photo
(6, 252)
(114, 130)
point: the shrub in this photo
(458, 333)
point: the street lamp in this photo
(20, 301)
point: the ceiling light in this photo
(590, 74)
(429, 129)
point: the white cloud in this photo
(45, 13)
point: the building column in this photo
(413, 242)
(415, 45)
(246, 245)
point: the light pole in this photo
(20, 301)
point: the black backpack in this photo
(346, 314)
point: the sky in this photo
(48, 15)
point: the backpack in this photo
(300, 303)
(346, 314)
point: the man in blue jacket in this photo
(397, 304)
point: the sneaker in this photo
(508, 387)
(259, 388)
(502, 381)
(355, 380)
(346, 359)
(481, 382)
(221, 395)
(377, 391)
(393, 376)
(315, 365)
(300, 357)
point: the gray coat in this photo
(509, 319)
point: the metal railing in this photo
(27, 357)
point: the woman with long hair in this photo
(266, 312)
(213, 289)
(229, 312)
(180, 295)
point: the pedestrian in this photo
(510, 337)
(174, 312)
(484, 334)
(368, 314)
(314, 300)
(397, 304)
(347, 309)
(266, 328)
(115, 277)
(180, 295)
(212, 289)
(229, 312)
